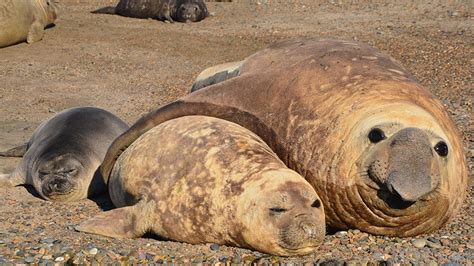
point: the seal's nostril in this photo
(316, 204)
(309, 229)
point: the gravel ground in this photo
(130, 66)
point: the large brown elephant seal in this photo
(380, 150)
(61, 158)
(200, 179)
(170, 10)
(25, 20)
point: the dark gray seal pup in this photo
(61, 158)
(200, 179)
(170, 10)
(379, 148)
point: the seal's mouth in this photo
(57, 188)
(390, 197)
(296, 240)
(393, 200)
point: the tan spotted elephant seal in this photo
(200, 179)
(25, 20)
(380, 150)
(62, 157)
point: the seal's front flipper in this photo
(15, 152)
(126, 222)
(35, 33)
(217, 74)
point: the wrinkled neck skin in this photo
(398, 186)
(47, 173)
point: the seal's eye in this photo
(70, 171)
(316, 204)
(278, 210)
(376, 135)
(441, 149)
(43, 173)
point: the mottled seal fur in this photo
(61, 158)
(200, 179)
(170, 10)
(343, 115)
(25, 20)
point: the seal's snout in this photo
(410, 165)
(310, 229)
(405, 165)
(57, 185)
(409, 191)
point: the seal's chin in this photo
(59, 196)
(297, 242)
(64, 194)
(303, 250)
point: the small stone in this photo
(236, 259)
(214, 247)
(47, 257)
(378, 256)
(149, 256)
(419, 243)
(59, 259)
(223, 259)
(433, 244)
(29, 259)
(93, 251)
(445, 242)
(47, 241)
(141, 255)
(453, 13)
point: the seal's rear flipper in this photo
(217, 74)
(105, 10)
(14, 179)
(15, 152)
(126, 222)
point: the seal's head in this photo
(59, 178)
(191, 11)
(281, 214)
(51, 10)
(404, 165)
(403, 162)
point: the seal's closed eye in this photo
(278, 210)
